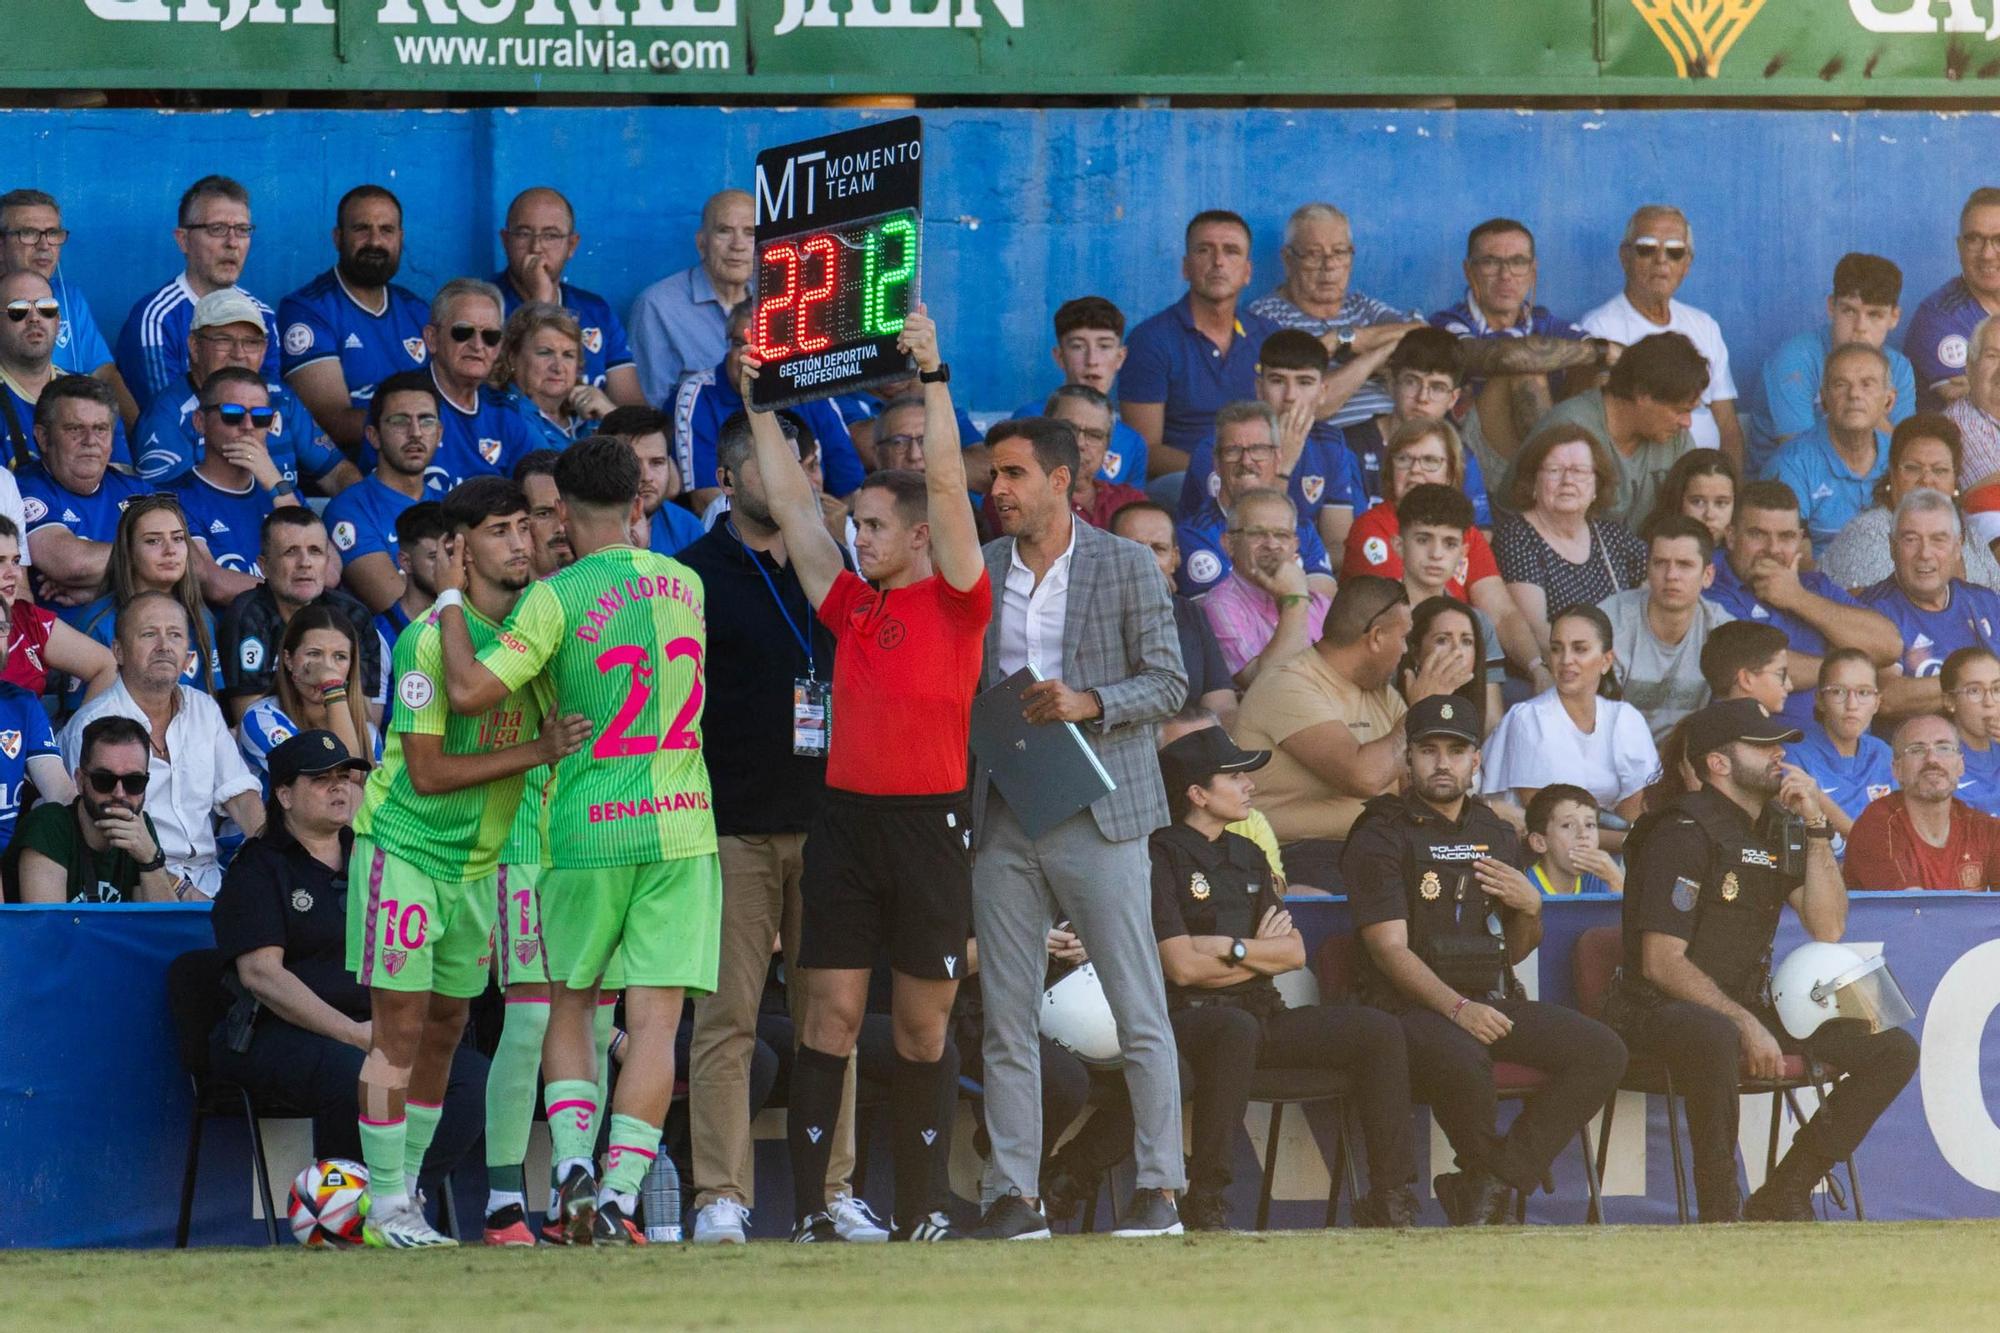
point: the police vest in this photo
(1736, 893)
(1450, 918)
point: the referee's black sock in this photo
(810, 1122)
(917, 1106)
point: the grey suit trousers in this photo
(1021, 887)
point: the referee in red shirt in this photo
(888, 862)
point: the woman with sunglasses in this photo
(1923, 453)
(1580, 732)
(540, 370)
(1851, 765)
(150, 552)
(38, 643)
(96, 843)
(317, 687)
(1701, 485)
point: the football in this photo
(325, 1206)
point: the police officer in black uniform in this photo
(1706, 879)
(1223, 933)
(1429, 876)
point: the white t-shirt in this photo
(1536, 744)
(1618, 320)
(1664, 682)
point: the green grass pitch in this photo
(1932, 1276)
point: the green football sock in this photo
(511, 1084)
(382, 1153)
(634, 1144)
(421, 1126)
(572, 1119)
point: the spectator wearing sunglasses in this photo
(483, 435)
(32, 237)
(1656, 254)
(29, 321)
(235, 484)
(196, 771)
(100, 847)
(540, 239)
(229, 330)
(72, 497)
(213, 230)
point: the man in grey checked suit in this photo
(1092, 613)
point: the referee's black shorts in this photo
(888, 872)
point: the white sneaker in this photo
(855, 1221)
(402, 1227)
(724, 1222)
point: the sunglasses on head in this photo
(1648, 247)
(463, 333)
(234, 414)
(103, 781)
(20, 310)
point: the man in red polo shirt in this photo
(888, 862)
(1924, 837)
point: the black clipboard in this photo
(1047, 772)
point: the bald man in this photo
(681, 323)
(539, 239)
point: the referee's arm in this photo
(794, 507)
(954, 533)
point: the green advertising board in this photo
(1916, 49)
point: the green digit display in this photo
(877, 281)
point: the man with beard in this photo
(351, 327)
(1923, 836)
(404, 426)
(1444, 912)
(213, 231)
(1705, 885)
(1246, 459)
(537, 475)
(669, 527)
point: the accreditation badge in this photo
(812, 717)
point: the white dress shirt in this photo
(187, 790)
(1031, 614)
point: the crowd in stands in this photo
(214, 526)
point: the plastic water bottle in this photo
(660, 1196)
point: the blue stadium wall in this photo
(1026, 208)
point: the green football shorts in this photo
(663, 921)
(409, 932)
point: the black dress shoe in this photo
(1389, 1208)
(1473, 1198)
(1204, 1212)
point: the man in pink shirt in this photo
(1263, 612)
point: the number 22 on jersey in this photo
(617, 742)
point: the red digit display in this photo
(832, 289)
(779, 297)
(829, 256)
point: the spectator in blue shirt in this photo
(1426, 377)
(540, 372)
(1246, 455)
(229, 330)
(1833, 465)
(1865, 307)
(235, 484)
(1971, 683)
(1758, 580)
(1090, 350)
(421, 556)
(1318, 257)
(483, 436)
(1315, 466)
(1514, 348)
(1187, 362)
(1851, 765)
(404, 426)
(1934, 612)
(32, 237)
(351, 327)
(1940, 333)
(213, 231)
(71, 499)
(27, 749)
(668, 526)
(707, 398)
(680, 324)
(27, 364)
(540, 239)
(316, 686)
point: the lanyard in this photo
(803, 640)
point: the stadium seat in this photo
(1511, 1082)
(1594, 962)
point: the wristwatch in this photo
(284, 487)
(159, 862)
(942, 375)
(1345, 337)
(1238, 951)
(1823, 829)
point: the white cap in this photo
(228, 305)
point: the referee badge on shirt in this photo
(1432, 888)
(1198, 887)
(1730, 888)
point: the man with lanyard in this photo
(888, 864)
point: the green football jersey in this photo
(524, 839)
(456, 836)
(621, 635)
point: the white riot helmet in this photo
(1819, 982)
(1077, 1017)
